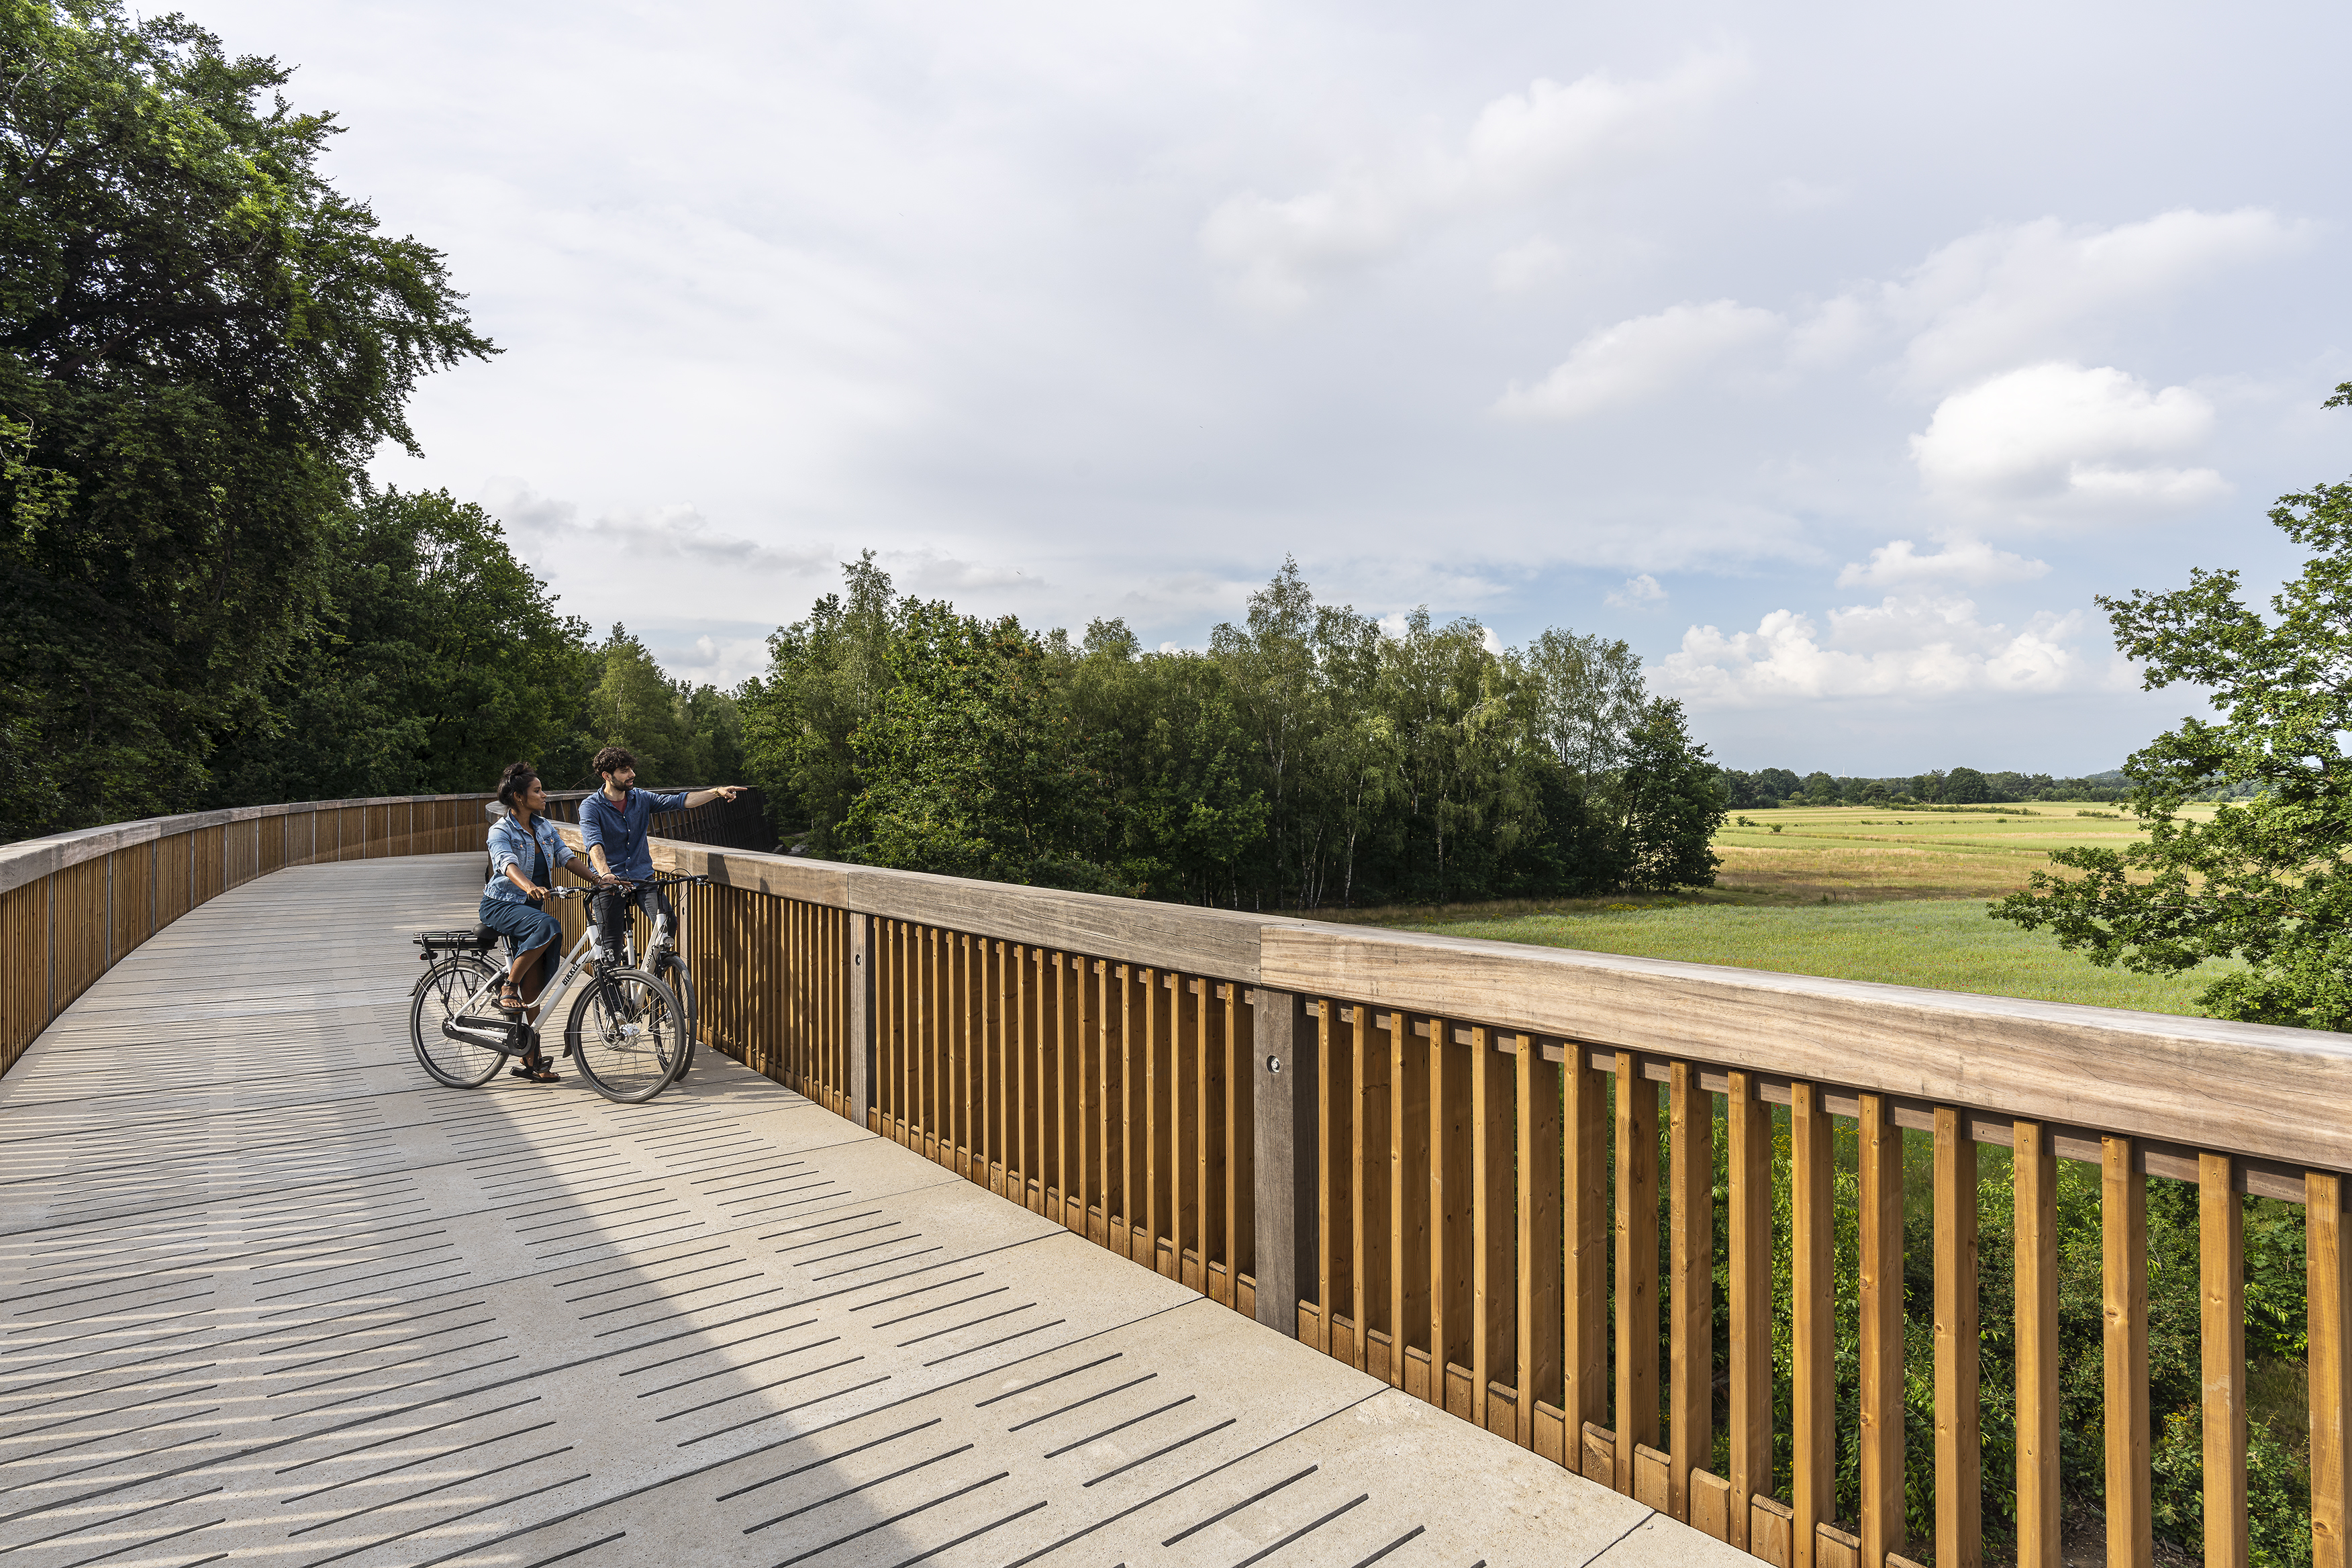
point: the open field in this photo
(1859, 853)
(1854, 894)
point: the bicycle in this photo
(625, 1030)
(665, 956)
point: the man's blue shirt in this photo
(621, 829)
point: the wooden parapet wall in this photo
(1429, 1157)
(1485, 1174)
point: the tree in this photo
(1775, 786)
(1966, 786)
(434, 659)
(200, 344)
(2265, 881)
(1820, 789)
(826, 678)
(1670, 805)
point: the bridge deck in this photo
(270, 1294)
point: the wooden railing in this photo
(71, 906)
(1441, 1161)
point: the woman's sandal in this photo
(510, 1000)
(534, 1069)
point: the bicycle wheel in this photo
(625, 1032)
(457, 988)
(680, 980)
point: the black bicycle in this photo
(625, 1030)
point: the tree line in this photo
(1306, 759)
(1770, 787)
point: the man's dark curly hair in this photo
(611, 760)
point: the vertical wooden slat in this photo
(1880, 1289)
(1637, 1265)
(2123, 1272)
(1450, 1212)
(2034, 1166)
(1369, 1062)
(1408, 1199)
(2327, 1288)
(1814, 1407)
(2221, 1349)
(1329, 1037)
(1241, 1145)
(1584, 1288)
(1495, 1314)
(1691, 1281)
(1541, 1240)
(1960, 1456)
(1749, 1267)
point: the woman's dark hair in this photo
(515, 783)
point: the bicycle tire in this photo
(624, 1034)
(674, 974)
(458, 985)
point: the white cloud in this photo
(1914, 648)
(2013, 292)
(1641, 593)
(675, 533)
(1898, 564)
(2061, 436)
(1273, 251)
(1527, 265)
(1637, 360)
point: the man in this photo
(613, 825)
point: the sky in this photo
(1836, 357)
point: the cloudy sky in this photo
(1835, 356)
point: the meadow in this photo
(1853, 893)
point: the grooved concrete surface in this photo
(271, 1295)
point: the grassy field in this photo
(1854, 853)
(1852, 894)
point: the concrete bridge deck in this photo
(270, 1295)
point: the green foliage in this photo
(1306, 759)
(2278, 1475)
(434, 658)
(679, 733)
(2266, 880)
(200, 342)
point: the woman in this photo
(524, 848)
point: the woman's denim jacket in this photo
(510, 846)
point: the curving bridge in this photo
(1008, 1226)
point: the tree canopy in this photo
(200, 341)
(1307, 758)
(2266, 880)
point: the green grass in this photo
(1947, 943)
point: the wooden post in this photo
(2221, 1345)
(1959, 1455)
(1637, 1265)
(2123, 1225)
(1284, 1138)
(2034, 1182)
(1814, 1414)
(1880, 1287)
(1751, 1304)
(1691, 1219)
(2330, 1327)
(861, 1018)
